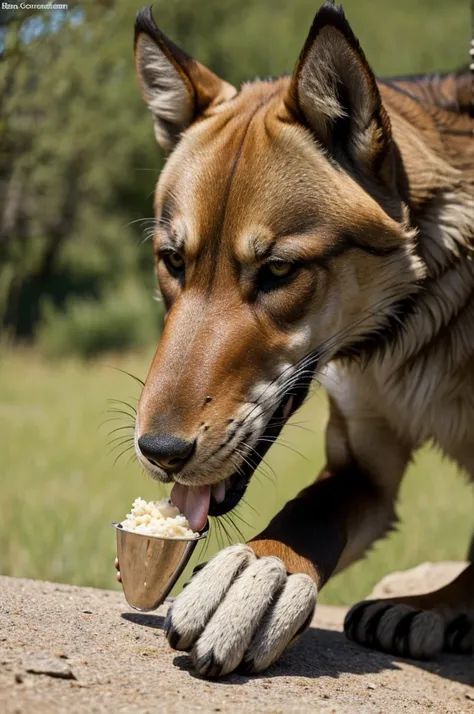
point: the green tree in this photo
(78, 161)
(73, 134)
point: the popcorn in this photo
(157, 518)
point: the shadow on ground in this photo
(325, 653)
(144, 619)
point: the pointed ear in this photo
(334, 91)
(176, 88)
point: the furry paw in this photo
(239, 611)
(459, 634)
(398, 629)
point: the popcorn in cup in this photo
(154, 545)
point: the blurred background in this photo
(78, 166)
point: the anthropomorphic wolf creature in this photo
(320, 224)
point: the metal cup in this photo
(150, 566)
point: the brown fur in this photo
(370, 189)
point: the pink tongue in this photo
(193, 501)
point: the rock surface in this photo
(118, 661)
(417, 581)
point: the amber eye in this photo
(280, 268)
(174, 262)
(276, 274)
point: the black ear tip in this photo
(144, 21)
(333, 15)
(330, 8)
(332, 5)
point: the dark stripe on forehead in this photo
(344, 242)
(306, 226)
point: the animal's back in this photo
(442, 109)
(424, 384)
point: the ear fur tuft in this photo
(334, 89)
(176, 87)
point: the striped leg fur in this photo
(395, 628)
(459, 634)
(419, 627)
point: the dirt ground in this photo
(70, 649)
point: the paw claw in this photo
(173, 635)
(207, 665)
(173, 639)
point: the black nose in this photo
(168, 452)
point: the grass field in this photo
(60, 487)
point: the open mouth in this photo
(237, 483)
(199, 502)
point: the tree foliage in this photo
(78, 161)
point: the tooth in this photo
(218, 492)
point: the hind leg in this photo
(421, 626)
(418, 626)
